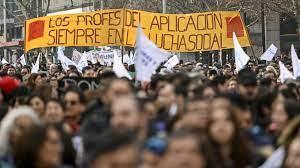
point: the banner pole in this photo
(247, 32)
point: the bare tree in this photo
(32, 9)
(252, 8)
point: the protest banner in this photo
(117, 27)
(82, 83)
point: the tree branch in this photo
(47, 8)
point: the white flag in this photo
(132, 58)
(76, 56)
(4, 61)
(241, 58)
(82, 62)
(23, 60)
(36, 66)
(173, 61)
(148, 57)
(285, 74)
(270, 53)
(119, 68)
(65, 61)
(126, 59)
(295, 62)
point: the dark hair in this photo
(288, 93)
(69, 153)
(180, 81)
(76, 72)
(26, 67)
(31, 81)
(107, 75)
(264, 100)
(241, 155)
(86, 69)
(58, 101)
(292, 108)
(247, 77)
(155, 79)
(42, 74)
(77, 91)
(109, 141)
(27, 148)
(203, 143)
(35, 94)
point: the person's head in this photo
(25, 70)
(265, 98)
(31, 81)
(282, 112)
(247, 83)
(289, 139)
(115, 149)
(251, 65)
(40, 79)
(187, 149)
(196, 115)
(39, 147)
(222, 126)
(224, 131)
(126, 113)
(232, 85)
(75, 74)
(11, 70)
(88, 72)
(209, 93)
(167, 95)
(242, 111)
(13, 126)
(54, 112)
(74, 100)
(293, 154)
(53, 80)
(152, 152)
(227, 70)
(118, 87)
(37, 102)
(53, 69)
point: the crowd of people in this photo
(192, 116)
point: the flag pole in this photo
(247, 32)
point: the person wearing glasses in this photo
(74, 100)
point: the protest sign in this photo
(270, 53)
(119, 68)
(103, 57)
(82, 83)
(117, 27)
(173, 61)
